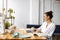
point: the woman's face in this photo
(45, 17)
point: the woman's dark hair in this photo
(49, 13)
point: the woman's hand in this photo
(33, 29)
(38, 30)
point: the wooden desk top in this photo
(9, 37)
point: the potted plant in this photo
(10, 12)
(7, 24)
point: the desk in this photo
(8, 36)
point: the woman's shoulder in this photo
(44, 23)
(53, 23)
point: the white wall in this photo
(0, 6)
(48, 5)
(57, 12)
(35, 11)
(22, 9)
(26, 12)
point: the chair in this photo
(57, 32)
(31, 25)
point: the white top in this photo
(49, 30)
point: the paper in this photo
(24, 36)
(15, 34)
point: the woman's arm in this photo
(39, 29)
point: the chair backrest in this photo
(57, 30)
(31, 25)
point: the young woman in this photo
(48, 26)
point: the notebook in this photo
(29, 31)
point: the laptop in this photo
(29, 31)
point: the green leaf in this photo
(7, 24)
(10, 10)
